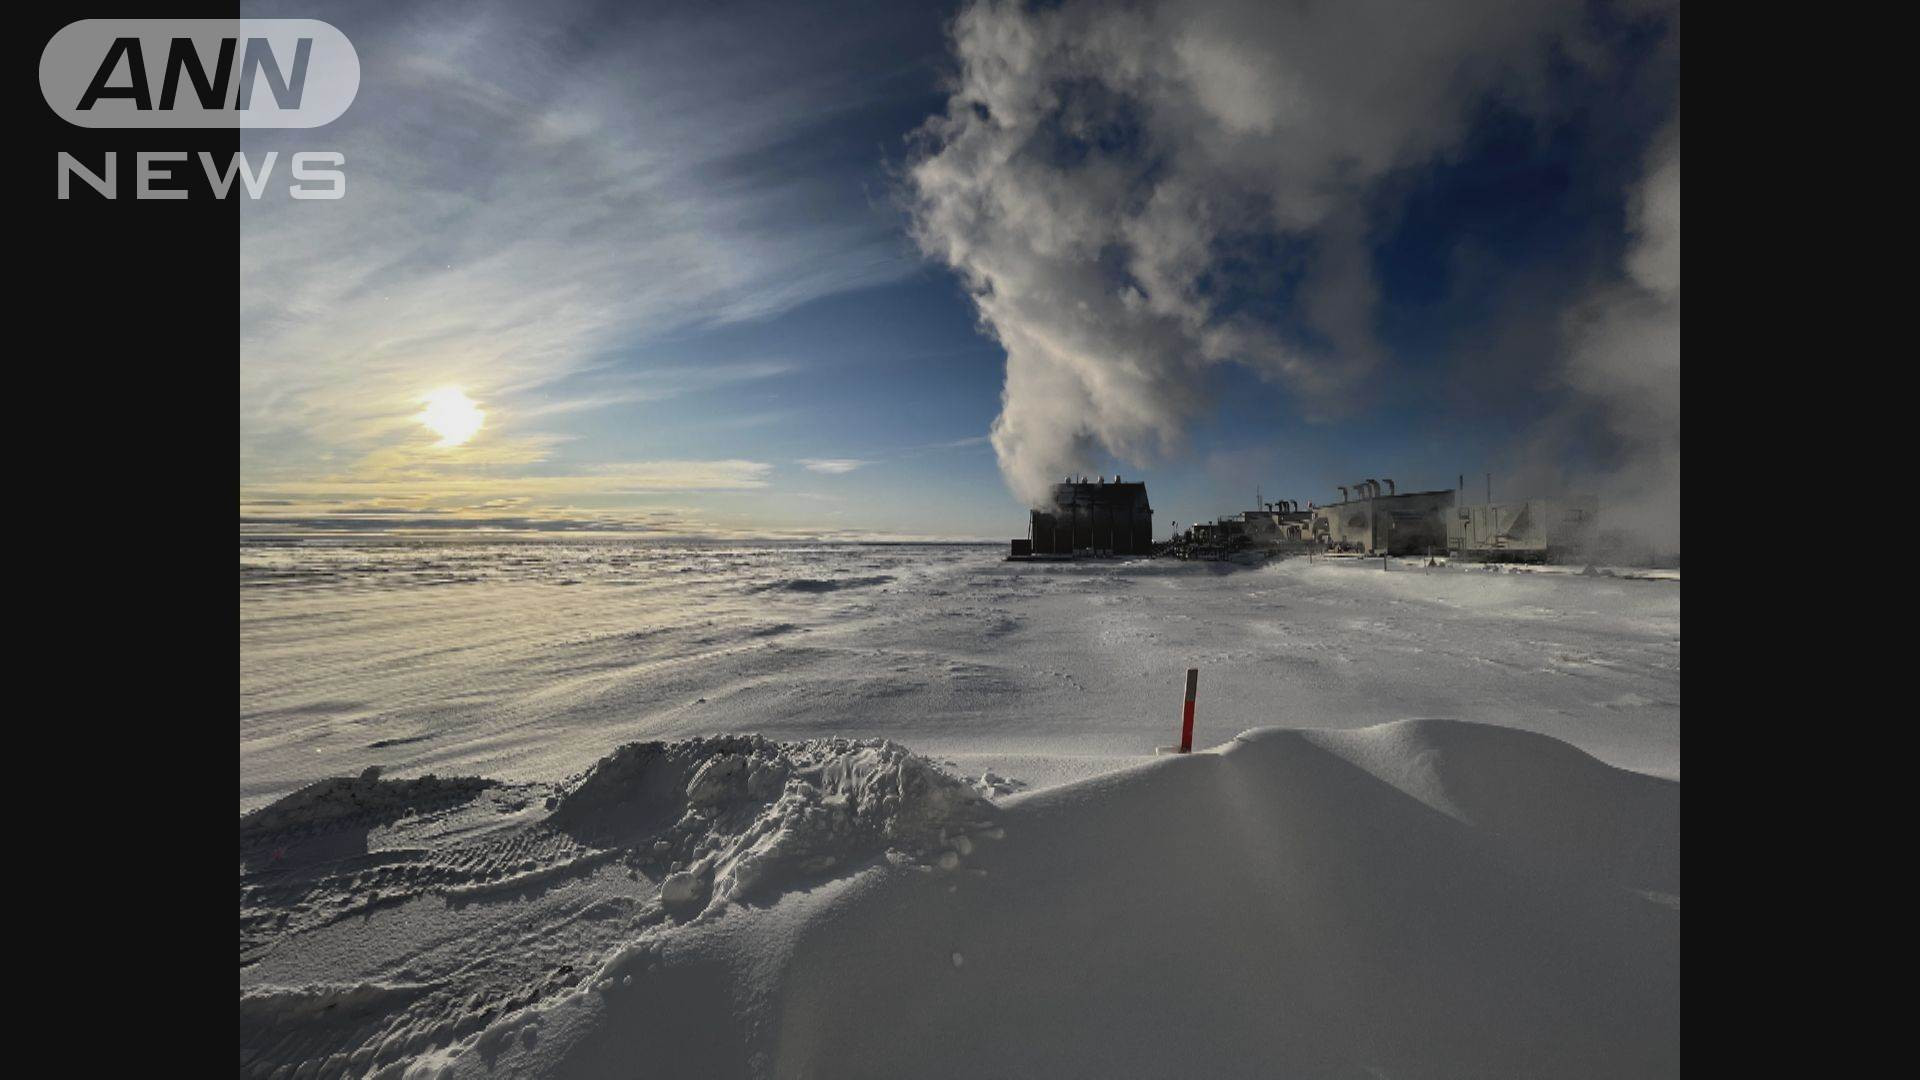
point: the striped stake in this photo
(1186, 720)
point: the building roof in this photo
(1388, 498)
(1130, 493)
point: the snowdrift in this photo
(1418, 899)
(749, 815)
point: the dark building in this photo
(1094, 517)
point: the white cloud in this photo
(1094, 160)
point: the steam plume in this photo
(1135, 193)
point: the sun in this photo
(452, 415)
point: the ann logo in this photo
(183, 59)
(199, 73)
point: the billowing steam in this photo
(1136, 192)
(1626, 355)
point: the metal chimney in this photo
(1343, 492)
(1390, 487)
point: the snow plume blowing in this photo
(1134, 193)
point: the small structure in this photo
(1098, 517)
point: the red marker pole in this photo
(1186, 720)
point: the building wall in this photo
(1404, 524)
(1413, 523)
(1349, 524)
(1094, 517)
(1534, 528)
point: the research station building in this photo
(1385, 523)
(1092, 517)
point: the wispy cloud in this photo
(832, 466)
(533, 196)
(614, 384)
(423, 486)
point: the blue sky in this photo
(702, 276)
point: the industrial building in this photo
(1546, 530)
(1277, 522)
(1110, 517)
(1274, 528)
(1091, 518)
(1369, 521)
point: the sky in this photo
(886, 270)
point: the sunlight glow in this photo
(452, 415)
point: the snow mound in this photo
(363, 800)
(745, 816)
(1418, 899)
(1541, 797)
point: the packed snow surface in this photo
(498, 821)
(530, 661)
(372, 912)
